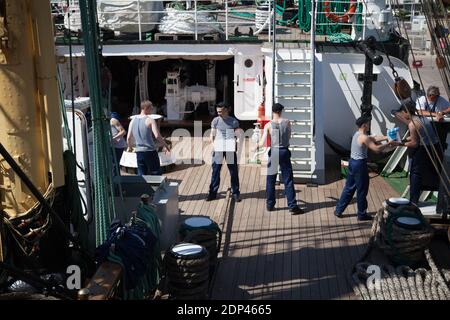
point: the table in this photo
(129, 159)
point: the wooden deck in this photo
(274, 255)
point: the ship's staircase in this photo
(293, 88)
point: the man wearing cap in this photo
(358, 173)
(224, 130)
(279, 130)
(433, 104)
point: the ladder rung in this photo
(294, 72)
(293, 96)
(301, 160)
(304, 174)
(300, 148)
(301, 135)
(297, 109)
(293, 60)
(294, 85)
(301, 122)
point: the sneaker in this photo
(296, 210)
(270, 208)
(339, 215)
(236, 198)
(211, 197)
(364, 217)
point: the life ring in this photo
(339, 19)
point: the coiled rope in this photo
(402, 282)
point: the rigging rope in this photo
(428, 135)
(402, 282)
(104, 206)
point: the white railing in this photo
(126, 17)
(193, 17)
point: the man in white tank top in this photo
(141, 131)
(358, 173)
(279, 130)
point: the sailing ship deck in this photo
(274, 255)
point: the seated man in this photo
(433, 104)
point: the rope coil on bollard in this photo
(401, 282)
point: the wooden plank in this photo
(297, 225)
(327, 251)
(287, 235)
(258, 216)
(336, 246)
(344, 243)
(305, 290)
(105, 281)
(245, 233)
(262, 249)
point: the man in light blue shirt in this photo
(433, 104)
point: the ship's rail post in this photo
(139, 19)
(312, 65)
(226, 20)
(364, 19)
(195, 19)
(270, 20)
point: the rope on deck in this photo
(402, 282)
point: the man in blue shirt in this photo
(223, 136)
(433, 104)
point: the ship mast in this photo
(29, 111)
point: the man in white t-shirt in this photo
(433, 104)
(224, 131)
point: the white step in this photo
(294, 73)
(293, 96)
(303, 114)
(300, 147)
(294, 85)
(301, 160)
(304, 175)
(293, 91)
(297, 109)
(301, 122)
(293, 60)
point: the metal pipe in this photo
(368, 47)
(274, 52)
(312, 62)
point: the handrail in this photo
(228, 17)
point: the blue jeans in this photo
(232, 165)
(422, 173)
(148, 163)
(357, 180)
(284, 160)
